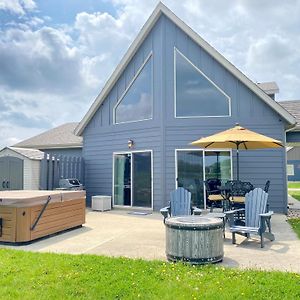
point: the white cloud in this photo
(53, 74)
(18, 7)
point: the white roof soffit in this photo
(162, 9)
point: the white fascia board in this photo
(62, 146)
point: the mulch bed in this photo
(293, 213)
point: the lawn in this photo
(26, 275)
(294, 185)
(295, 194)
(295, 223)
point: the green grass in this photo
(295, 194)
(26, 275)
(294, 185)
(295, 223)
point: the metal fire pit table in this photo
(194, 239)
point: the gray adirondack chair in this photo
(256, 218)
(180, 204)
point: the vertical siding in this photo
(165, 133)
(35, 174)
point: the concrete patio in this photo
(121, 233)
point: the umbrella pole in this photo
(237, 162)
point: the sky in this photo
(56, 55)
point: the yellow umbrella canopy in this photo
(238, 138)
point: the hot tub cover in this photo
(31, 197)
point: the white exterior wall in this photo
(31, 172)
(35, 174)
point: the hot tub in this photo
(28, 215)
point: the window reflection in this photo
(136, 104)
(196, 96)
(218, 165)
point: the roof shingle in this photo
(293, 107)
(59, 137)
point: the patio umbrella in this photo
(238, 138)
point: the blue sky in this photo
(55, 55)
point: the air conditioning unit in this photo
(101, 203)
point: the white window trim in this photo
(203, 150)
(129, 86)
(113, 180)
(197, 69)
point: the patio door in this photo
(218, 165)
(190, 174)
(133, 179)
(193, 167)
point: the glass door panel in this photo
(141, 179)
(190, 174)
(218, 165)
(122, 179)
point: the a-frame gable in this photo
(159, 10)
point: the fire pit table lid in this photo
(194, 223)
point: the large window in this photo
(193, 167)
(196, 95)
(218, 165)
(136, 103)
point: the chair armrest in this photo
(231, 212)
(230, 215)
(265, 220)
(165, 212)
(196, 211)
(266, 215)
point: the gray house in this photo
(293, 141)
(171, 88)
(60, 140)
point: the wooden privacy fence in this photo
(55, 167)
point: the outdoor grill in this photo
(70, 184)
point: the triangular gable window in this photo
(196, 94)
(136, 102)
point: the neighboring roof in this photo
(59, 137)
(269, 87)
(293, 107)
(158, 11)
(29, 153)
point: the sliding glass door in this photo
(190, 174)
(218, 165)
(195, 166)
(141, 179)
(122, 179)
(133, 179)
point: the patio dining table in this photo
(233, 193)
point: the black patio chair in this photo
(213, 193)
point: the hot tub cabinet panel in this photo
(8, 216)
(19, 214)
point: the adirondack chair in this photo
(256, 218)
(180, 204)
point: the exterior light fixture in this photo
(130, 144)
